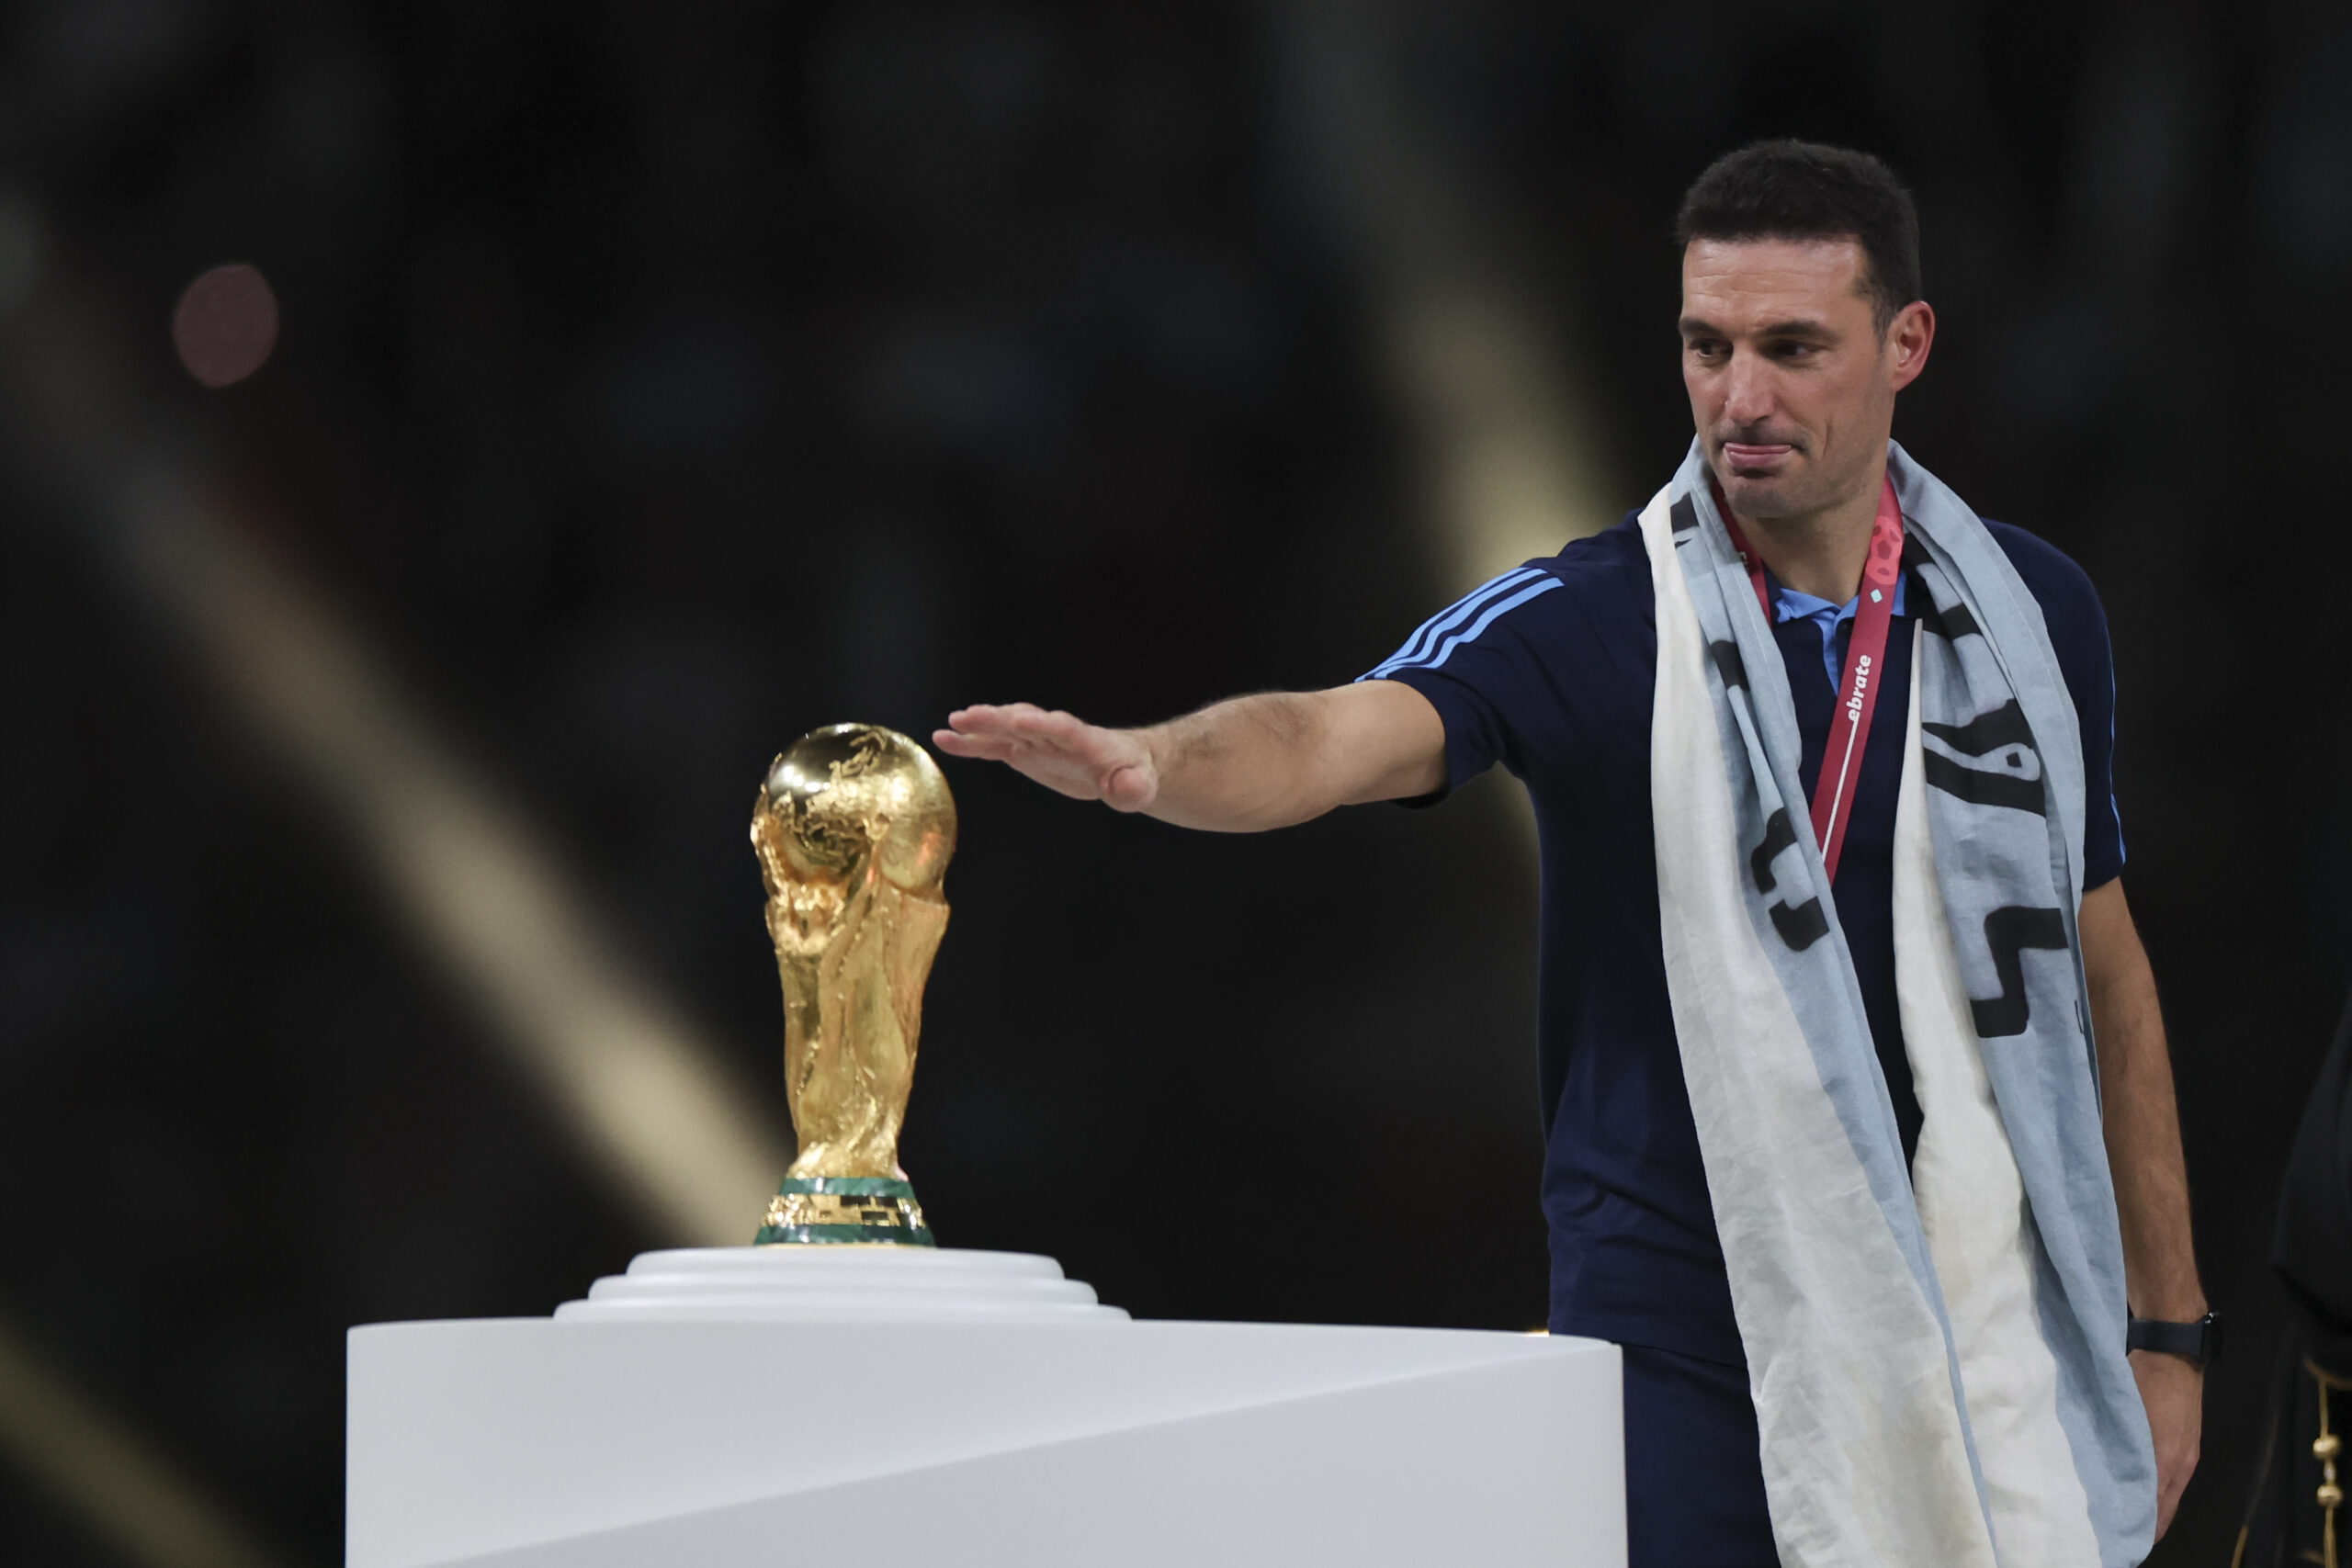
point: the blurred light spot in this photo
(226, 324)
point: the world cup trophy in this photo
(854, 827)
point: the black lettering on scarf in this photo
(2004, 725)
(1952, 623)
(1980, 788)
(1779, 834)
(1799, 926)
(2009, 930)
(1729, 665)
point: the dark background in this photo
(658, 382)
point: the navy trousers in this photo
(1694, 1486)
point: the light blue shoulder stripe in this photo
(1418, 646)
(1535, 590)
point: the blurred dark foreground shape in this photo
(2296, 1513)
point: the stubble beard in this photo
(1776, 497)
(1808, 491)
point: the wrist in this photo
(2197, 1342)
(2184, 1303)
(1155, 750)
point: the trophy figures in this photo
(853, 827)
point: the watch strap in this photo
(2200, 1342)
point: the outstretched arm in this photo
(1234, 767)
(2151, 1180)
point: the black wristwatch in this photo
(2199, 1343)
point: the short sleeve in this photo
(1479, 667)
(2077, 623)
(1545, 668)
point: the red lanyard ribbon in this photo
(1841, 757)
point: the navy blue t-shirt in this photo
(1550, 670)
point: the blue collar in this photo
(1789, 604)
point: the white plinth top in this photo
(776, 1407)
(858, 1284)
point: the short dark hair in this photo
(1804, 190)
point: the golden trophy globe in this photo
(853, 827)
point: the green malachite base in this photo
(843, 1235)
(845, 1210)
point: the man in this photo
(1834, 1171)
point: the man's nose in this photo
(1748, 390)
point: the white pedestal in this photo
(818, 1406)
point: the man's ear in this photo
(1909, 338)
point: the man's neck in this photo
(1820, 553)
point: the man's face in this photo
(1791, 386)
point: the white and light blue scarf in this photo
(1937, 1355)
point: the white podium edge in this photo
(1014, 1506)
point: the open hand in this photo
(1060, 751)
(2174, 1392)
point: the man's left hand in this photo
(2173, 1389)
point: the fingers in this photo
(981, 719)
(988, 721)
(997, 734)
(1025, 738)
(1058, 750)
(987, 748)
(2173, 1393)
(2174, 1476)
(985, 732)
